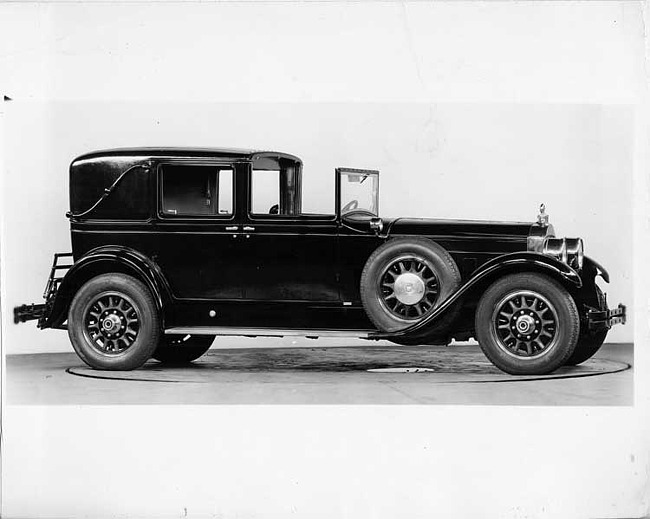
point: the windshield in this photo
(359, 191)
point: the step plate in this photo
(267, 332)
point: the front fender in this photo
(102, 260)
(486, 274)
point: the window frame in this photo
(252, 215)
(338, 188)
(299, 218)
(198, 163)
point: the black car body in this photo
(189, 227)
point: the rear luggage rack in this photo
(24, 313)
(54, 281)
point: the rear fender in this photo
(484, 276)
(104, 260)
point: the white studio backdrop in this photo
(543, 87)
(471, 161)
(533, 51)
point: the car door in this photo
(292, 260)
(290, 257)
(198, 228)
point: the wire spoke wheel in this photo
(111, 323)
(409, 287)
(525, 324)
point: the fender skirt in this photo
(509, 263)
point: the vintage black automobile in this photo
(172, 247)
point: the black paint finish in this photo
(272, 270)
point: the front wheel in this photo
(181, 349)
(587, 347)
(527, 324)
(589, 343)
(113, 322)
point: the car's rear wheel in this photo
(181, 349)
(404, 280)
(113, 322)
(527, 324)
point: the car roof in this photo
(176, 152)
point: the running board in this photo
(267, 332)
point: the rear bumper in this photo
(31, 312)
(41, 312)
(605, 319)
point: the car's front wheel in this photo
(527, 324)
(589, 343)
(113, 322)
(587, 347)
(181, 349)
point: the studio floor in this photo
(321, 372)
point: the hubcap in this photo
(525, 324)
(111, 323)
(408, 287)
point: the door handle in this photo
(231, 228)
(248, 228)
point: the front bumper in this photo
(605, 319)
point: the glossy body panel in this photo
(103, 260)
(201, 255)
(286, 264)
(470, 243)
(270, 314)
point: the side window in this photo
(225, 191)
(197, 190)
(265, 192)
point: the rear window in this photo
(197, 190)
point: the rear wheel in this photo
(404, 280)
(113, 322)
(527, 324)
(181, 349)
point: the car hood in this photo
(461, 230)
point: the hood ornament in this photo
(542, 217)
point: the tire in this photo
(589, 343)
(182, 349)
(423, 270)
(113, 323)
(515, 337)
(587, 347)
